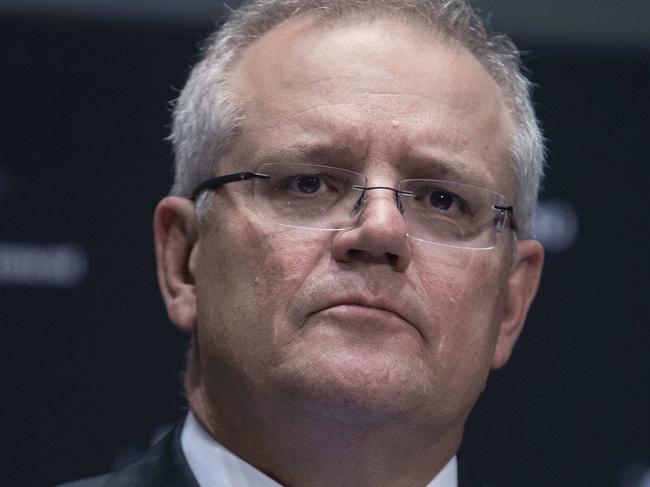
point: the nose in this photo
(379, 236)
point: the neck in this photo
(304, 445)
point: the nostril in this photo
(392, 258)
(352, 253)
(365, 256)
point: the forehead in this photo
(380, 92)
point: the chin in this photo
(361, 385)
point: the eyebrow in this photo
(414, 166)
(312, 153)
(437, 168)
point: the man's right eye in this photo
(310, 184)
(307, 184)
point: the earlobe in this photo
(176, 241)
(523, 282)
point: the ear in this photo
(176, 239)
(523, 282)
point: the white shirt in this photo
(213, 465)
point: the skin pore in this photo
(351, 357)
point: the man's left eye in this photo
(442, 201)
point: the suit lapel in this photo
(164, 465)
(466, 476)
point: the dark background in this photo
(90, 364)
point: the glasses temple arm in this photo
(217, 182)
(507, 210)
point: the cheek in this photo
(463, 292)
(284, 258)
(464, 301)
(252, 258)
(250, 274)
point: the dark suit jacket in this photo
(164, 465)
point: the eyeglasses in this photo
(315, 197)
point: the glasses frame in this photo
(216, 182)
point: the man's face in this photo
(364, 321)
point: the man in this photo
(347, 242)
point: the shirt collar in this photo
(214, 465)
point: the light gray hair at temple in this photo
(206, 117)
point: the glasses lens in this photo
(319, 197)
(448, 213)
(308, 195)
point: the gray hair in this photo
(206, 117)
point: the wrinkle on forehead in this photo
(345, 85)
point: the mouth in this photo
(363, 312)
(360, 308)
